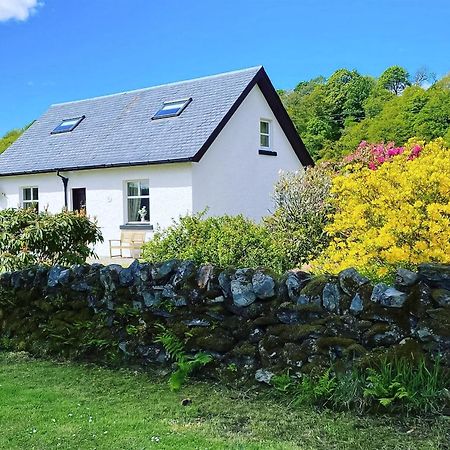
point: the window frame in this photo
(78, 119)
(139, 196)
(31, 202)
(268, 134)
(186, 102)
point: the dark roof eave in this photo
(98, 166)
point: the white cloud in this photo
(17, 9)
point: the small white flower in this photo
(90, 419)
(155, 439)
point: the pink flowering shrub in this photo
(374, 155)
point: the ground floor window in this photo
(138, 201)
(30, 197)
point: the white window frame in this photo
(28, 203)
(139, 181)
(269, 134)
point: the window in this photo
(138, 201)
(172, 108)
(30, 198)
(264, 133)
(67, 125)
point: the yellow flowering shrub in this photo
(396, 214)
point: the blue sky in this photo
(64, 50)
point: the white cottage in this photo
(217, 142)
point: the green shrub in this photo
(226, 241)
(28, 237)
(301, 213)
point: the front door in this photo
(79, 199)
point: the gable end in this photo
(270, 94)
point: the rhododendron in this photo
(374, 155)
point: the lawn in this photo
(46, 405)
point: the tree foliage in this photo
(334, 115)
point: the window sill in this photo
(267, 152)
(137, 226)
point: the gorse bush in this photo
(301, 213)
(28, 237)
(223, 241)
(398, 214)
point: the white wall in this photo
(232, 177)
(170, 194)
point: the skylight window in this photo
(172, 108)
(67, 125)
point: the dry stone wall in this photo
(247, 319)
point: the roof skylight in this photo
(172, 108)
(67, 125)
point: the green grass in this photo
(47, 405)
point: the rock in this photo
(351, 280)
(307, 300)
(288, 316)
(388, 296)
(264, 376)
(405, 278)
(204, 276)
(168, 291)
(58, 275)
(80, 286)
(242, 292)
(312, 292)
(225, 284)
(126, 277)
(152, 353)
(383, 335)
(441, 296)
(295, 282)
(151, 298)
(357, 305)
(263, 285)
(256, 335)
(161, 272)
(435, 275)
(331, 297)
(197, 323)
(184, 272)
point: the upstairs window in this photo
(138, 201)
(172, 108)
(264, 133)
(30, 198)
(67, 125)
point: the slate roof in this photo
(118, 130)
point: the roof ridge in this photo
(174, 83)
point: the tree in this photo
(12, 136)
(395, 79)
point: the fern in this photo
(185, 364)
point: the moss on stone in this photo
(244, 349)
(328, 342)
(294, 333)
